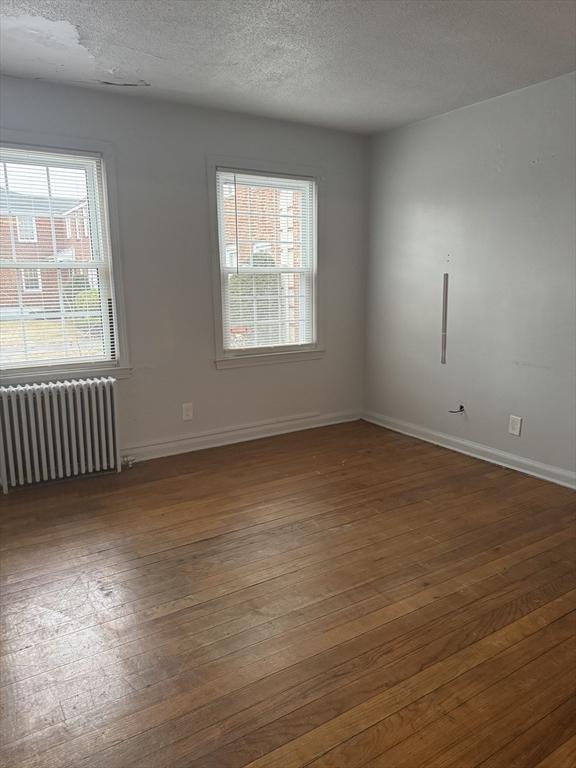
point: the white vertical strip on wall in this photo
(444, 318)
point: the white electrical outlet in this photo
(187, 411)
(515, 425)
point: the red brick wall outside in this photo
(42, 250)
(239, 216)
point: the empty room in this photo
(288, 384)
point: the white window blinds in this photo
(56, 293)
(267, 244)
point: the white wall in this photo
(161, 151)
(485, 193)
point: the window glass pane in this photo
(26, 229)
(267, 310)
(42, 207)
(60, 319)
(31, 280)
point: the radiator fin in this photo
(57, 430)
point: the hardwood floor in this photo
(336, 598)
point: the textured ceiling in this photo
(361, 65)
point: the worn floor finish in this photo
(336, 598)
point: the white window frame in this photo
(25, 288)
(21, 239)
(225, 358)
(104, 151)
(68, 222)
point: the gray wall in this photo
(161, 153)
(485, 193)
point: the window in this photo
(68, 221)
(267, 262)
(71, 321)
(26, 229)
(31, 281)
(66, 254)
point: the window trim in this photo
(19, 237)
(261, 355)
(104, 151)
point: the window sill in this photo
(269, 358)
(14, 378)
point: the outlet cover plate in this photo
(515, 425)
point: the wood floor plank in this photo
(374, 741)
(324, 699)
(333, 598)
(315, 743)
(463, 732)
(278, 583)
(535, 742)
(501, 533)
(563, 757)
(495, 579)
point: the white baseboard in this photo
(236, 434)
(270, 427)
(478, 450)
